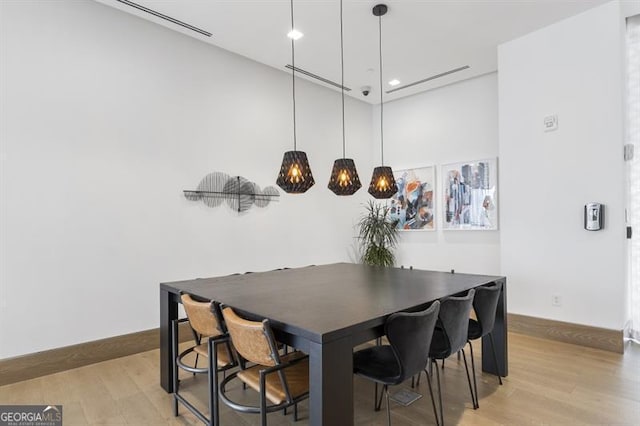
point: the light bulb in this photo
(382, 184)
(295, 175)
(344, 178)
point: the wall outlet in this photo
(556, 300)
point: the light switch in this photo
(550, 123)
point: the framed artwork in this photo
(469, 195)
(413, 205)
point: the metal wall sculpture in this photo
(238, 192)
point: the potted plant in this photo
(377, 235)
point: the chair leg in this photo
(378, 404)
(413, 382)
(440, 398)
(443, 363)
(473, 372)
(433, 400)
(174, 356)
(197, 337)
(263, 401)
(429, 368)
(386, 392)
(175, 405)
(375, 396)
(495, 358)
(466, 368)
(295, 412)
(210, 374)
(213, 384)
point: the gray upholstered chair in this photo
(407, 354)
(485, 304)
(450, 335)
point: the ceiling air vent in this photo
(165, 17)
(433, 77)
(317, 77)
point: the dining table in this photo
(326, 311)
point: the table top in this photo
(326, 302)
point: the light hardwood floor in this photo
(549, 383)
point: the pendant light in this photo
(344, 178)
(295, 173)
(383, 184)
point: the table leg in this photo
(499, 337)
(168, 312)
(331, 383)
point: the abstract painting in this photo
(470, 192)
(413, 205)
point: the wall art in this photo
(413, 205)
(238, 192)
(470, 195)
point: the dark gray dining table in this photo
(326, 311)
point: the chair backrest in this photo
(410, 336)
(454, 318)
(253, 340)
(202, 316)
(485, 304)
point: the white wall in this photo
(630, 7)
(454, 123)
(573, 69)
(105, 119)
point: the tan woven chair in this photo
(206, 323)
(283, 380)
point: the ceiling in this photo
(420, 38)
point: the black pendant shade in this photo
(344, 177)
(383, 184)
(295, 173)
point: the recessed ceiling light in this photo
(394, 82)
(294, 34)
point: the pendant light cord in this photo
(381, 103)
(342, 80)
(293, 79)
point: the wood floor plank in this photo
(117, 381)
(73, 414)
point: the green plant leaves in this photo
(378, 235)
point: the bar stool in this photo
(281, 379)
(206, 323)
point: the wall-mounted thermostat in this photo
(593, 216)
